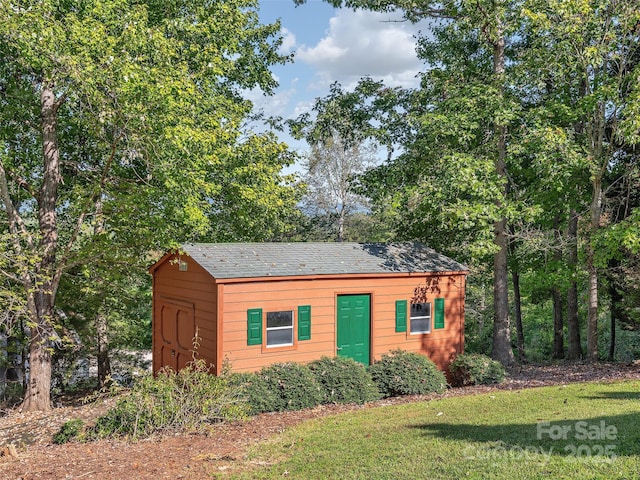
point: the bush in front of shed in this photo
(407, 373)
(475, 369)
(344, 380)
(172, 401)
(259, 394)
(293, 385)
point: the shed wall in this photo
(441, 345)
(192, 287)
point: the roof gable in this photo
(251, 260)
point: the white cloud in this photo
(274, 105)
(288, 42)
(302, 107)
(362, 43)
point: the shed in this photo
(255, 304)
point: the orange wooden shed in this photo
(255, 304)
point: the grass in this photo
(587, 431)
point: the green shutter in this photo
(304, 322)
(438, 321)
(401, 315)
(254, 326)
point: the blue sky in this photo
(335, 45)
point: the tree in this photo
(124, 106)
(344, 130)
(590, 49)
(331, 167)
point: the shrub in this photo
(475, 369)
(73, 429)
(344, 380)
(256, 392)
(407, 373)
(293, 386)
(179, 401)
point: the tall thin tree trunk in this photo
(502, 350)
(101, 320)
(341, 216)
(556, 295)
(592, 270)
(574, 349)
(616, 313)
(612, 341)
(4, 368)
(517, 304)
(558, 324)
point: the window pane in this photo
(421, 309)
(421, 325)
(280, 337)
(279, 319)
(420, 317)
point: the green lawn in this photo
(584, 431)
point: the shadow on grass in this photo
(615, 396)
(605, 436)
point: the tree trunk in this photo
(501, 326)
(104, 364)
(341, 215)
(37, 396)
(612, 341)
(101, 321)
(558, 321)
(3, 368)
(558, 324)
(517, 304)
(616, 313)
(574, 350)
(592, 317)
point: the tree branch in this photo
(23, 184)
(11, 276)
(17, 226)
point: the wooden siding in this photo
(441, 345)
(195, 287)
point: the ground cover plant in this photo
(588, 431)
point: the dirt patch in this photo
(205, 455)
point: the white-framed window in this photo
(420, 318)
(279, 328)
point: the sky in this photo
(332, 45)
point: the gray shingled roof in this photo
(248, 260)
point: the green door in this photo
(354, 327)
